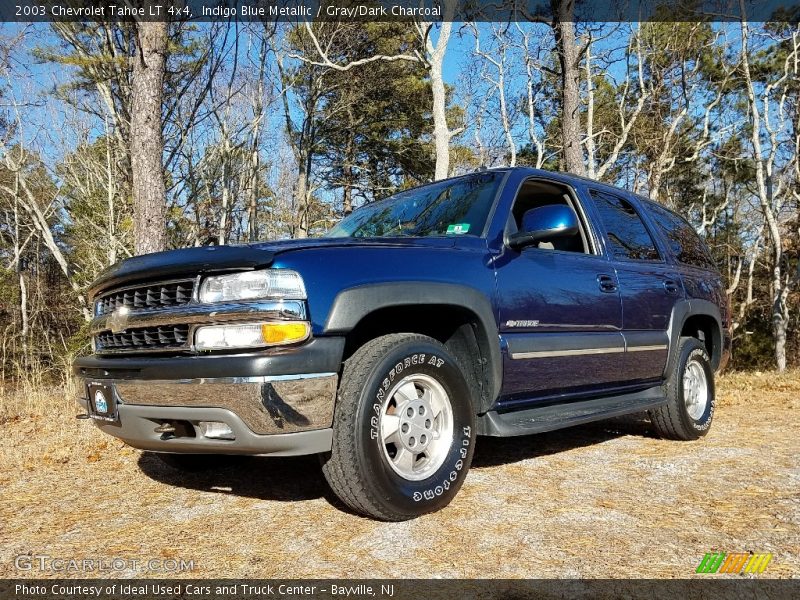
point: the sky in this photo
(41, 78)
(54, 138)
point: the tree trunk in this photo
(255, 157)
(590, 145)
(766, 199)
(146, 141)
(252, 210)
(301, 196)
(23, 288)
(441, 132)
(564, 28)
(532, 135)
(347, 167)
(512, 146)
(780, 324)
(110, 195)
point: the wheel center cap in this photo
(416, 425)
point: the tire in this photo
(680, 419)
(390, 461)
(191, 463)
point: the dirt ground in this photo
(604, 500)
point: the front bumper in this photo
(137, 423)
(278, 411)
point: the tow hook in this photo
(165, 428)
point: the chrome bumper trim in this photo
(208, 314)
(266, 405)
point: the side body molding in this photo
(353, 304)
(684, 309)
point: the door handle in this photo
(671, 286)
(607, 283)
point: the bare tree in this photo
(258, 93)
(627, 117)
(497, 59)
(28, 201)
(433, 59)
(770, 188)
(532, 67)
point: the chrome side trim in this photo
(577, 352)
(208, 314)
(647, 348)
(584, 351)
(267, 405)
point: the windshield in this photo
(454, 207)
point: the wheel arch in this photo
(696, 318)
(461, 317)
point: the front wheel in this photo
(404, 429)
(690, 392)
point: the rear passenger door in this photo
(649, 286)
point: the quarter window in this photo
(687, 246)
(628, 237)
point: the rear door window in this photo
(687, 246)
(628, 238)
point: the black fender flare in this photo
(681, 312)
(353, 304)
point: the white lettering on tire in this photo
(414, 359)
(451, 477)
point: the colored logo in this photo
(100, 403)
(458, 228)
(741, 562)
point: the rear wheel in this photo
(403, 429)
(691, 395)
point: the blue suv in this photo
(504, 302)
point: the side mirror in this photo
(545, 223)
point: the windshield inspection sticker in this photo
(458, 228)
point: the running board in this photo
(566, 414)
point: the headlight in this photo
(250, 335)
(279, 284)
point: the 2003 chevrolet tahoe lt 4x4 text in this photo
(504, 302)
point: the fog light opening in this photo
(216, 430)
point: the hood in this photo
(177, 263)
(211, 259)
(347, 242)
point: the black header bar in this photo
(393, 10)
(700, 587)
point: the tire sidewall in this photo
(430, 494)
(694, 350)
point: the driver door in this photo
(560, 311)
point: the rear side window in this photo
(687, 246)
(628, 237)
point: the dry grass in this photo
(605, 500)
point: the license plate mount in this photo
(102, 401)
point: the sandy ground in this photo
(605, 500)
